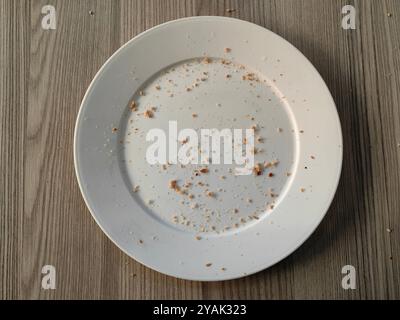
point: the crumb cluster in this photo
(193, 188)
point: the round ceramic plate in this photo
(160, 188)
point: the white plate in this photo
(296, 118)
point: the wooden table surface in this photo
(44, 221)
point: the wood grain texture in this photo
(43, 219)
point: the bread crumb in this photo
(133, 106)
(204, 170)
(198, 238)
(249, 76)
(302, 189)
(227, 50)
(258, 169)
(136, 188)
(206, 60)
(173, 184)
(208, 265)
(210, 194)
(114, 130)
(274, 163)
(254, 127)
(148, 113)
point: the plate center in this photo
(220, 97)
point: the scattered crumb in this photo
(141, 93)
(249, 76)
(210, 194)
(274, 163)
(227, 50)
(204, 170)
(184, 141)
(206, 60)
(255, 127)
(388, 230)
(302, 189)
(148, 113)
(258, 169)
(230, 10)
(140, 241)
(208, 265)
(173, 184)
(198, 238)
(136, 188)
(194, 115)
(270, 174)
(223, 269)
(133, 106)
(114, 130)
(158, 87)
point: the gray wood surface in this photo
(43, 219)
